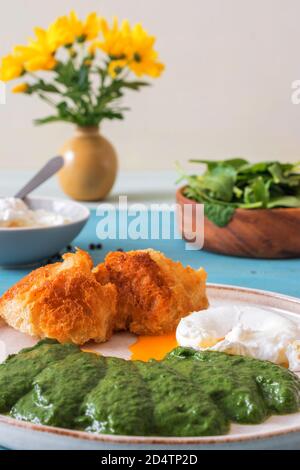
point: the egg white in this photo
(249, 331)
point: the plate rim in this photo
(148, 440)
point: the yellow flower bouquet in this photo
(86, 67)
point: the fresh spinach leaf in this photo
(218, 182)
(219, 214)
(236, 183)
(260, 191)
(284, 201)
(236, 162)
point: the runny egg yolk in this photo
(152, 347)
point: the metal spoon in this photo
(48, 170)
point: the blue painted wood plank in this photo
(274, 275)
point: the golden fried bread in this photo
(154, 292)
(62, 301)
(140, 291)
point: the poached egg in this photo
(242, 330)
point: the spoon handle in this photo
(51, 167)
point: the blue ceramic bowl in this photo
(25, 246)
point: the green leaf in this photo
(276, 171)
(260, 191)
(193, 193)
(255, 167)
(234, 162)
(282, 175)
(47, 120)
(63, 109)
(41, 85)
(295, 167)
(237, 192)
(66, 73)
(284, 201)
(251, 205)
(219, 182)
(218, 214)
(111, 114)
(136, 85)
(83, 83)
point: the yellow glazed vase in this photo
(90, 165)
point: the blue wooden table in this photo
(275, 275)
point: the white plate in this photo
(277, 432)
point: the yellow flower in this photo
(144, 57)
(35, 59)
(116, 41)
(75, 25)
(116, 66)
(68, 29)
(21, 88)
(84, 30)
(38, 54)
(11, 67)
(131, 44)
(92, 26)
(60, 34)
(93, 47)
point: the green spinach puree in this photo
(189, 393)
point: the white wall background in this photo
(226, 90)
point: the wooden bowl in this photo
(255, 233)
